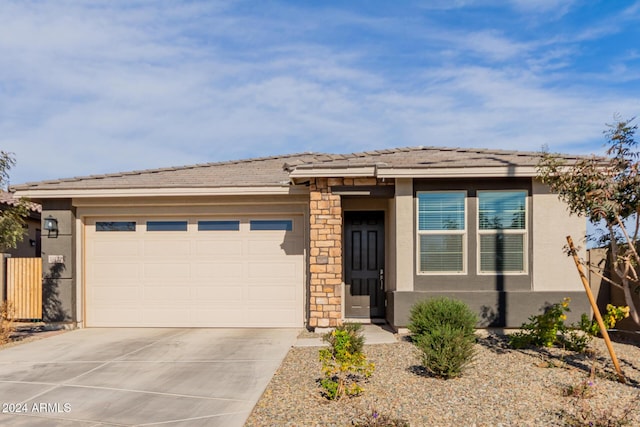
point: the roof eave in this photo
(463, 172)
(340, 172)
(299, 174)
(39, 194)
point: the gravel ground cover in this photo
(501, 387)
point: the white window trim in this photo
(464, 233)
(524, 232)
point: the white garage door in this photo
(194, 272)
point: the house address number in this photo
(56, 259)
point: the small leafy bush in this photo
(343, 363)
(444, 332)
(354, 333)
(445, 351)
(614, 315)
(429, 314)
(542, 330)
(548, 329)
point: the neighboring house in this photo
(30, 245)
(309, 239)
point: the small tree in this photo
(12, 217)
(606, 190)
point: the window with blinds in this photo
(441, 232)
(502, 231)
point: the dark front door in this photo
(364, 264)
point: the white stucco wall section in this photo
(553, 270)
(404, 254)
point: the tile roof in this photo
(257, 172)
(9, 199)
(428, 157)
(274, 171)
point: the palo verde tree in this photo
(606, 190)
(11, 216)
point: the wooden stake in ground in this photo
(596, 312)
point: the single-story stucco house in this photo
(308, 239)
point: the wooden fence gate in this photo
(24, 287)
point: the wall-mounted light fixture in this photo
(51, 225)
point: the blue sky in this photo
(104, 86)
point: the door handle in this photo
(382, 279)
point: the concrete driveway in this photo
(141, 377)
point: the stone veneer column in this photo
(325, 254)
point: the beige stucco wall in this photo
(553, 270)
(390, 246)
(404, 220)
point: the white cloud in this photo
(92, 88)
(494, 46)
(559, 7)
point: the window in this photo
(271, 224)
(218, 225)
(115, 226)
(441, 232)
(502, 231)
(166, 225)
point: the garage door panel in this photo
(279, 316)
(224, 317)
(268, 247)
(164, 248)
(195, 278)
(117, 316)
(167, 316)
(273, 271)
(167, 271)
(293, 246)
(107, 296)
(122, 248)
(162, 294)
(224, 247)
(220, 294)
(258, 248)
(127, 271)
(218, 270)
(271, 293)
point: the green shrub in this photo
(343, 363)
(353, 331)
(542, 330)
(443, 330)
(548, 329)
(445, 350)
(429, 314)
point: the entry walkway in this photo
(373, 334)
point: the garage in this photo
(194, 271)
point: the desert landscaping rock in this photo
(501, 387)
